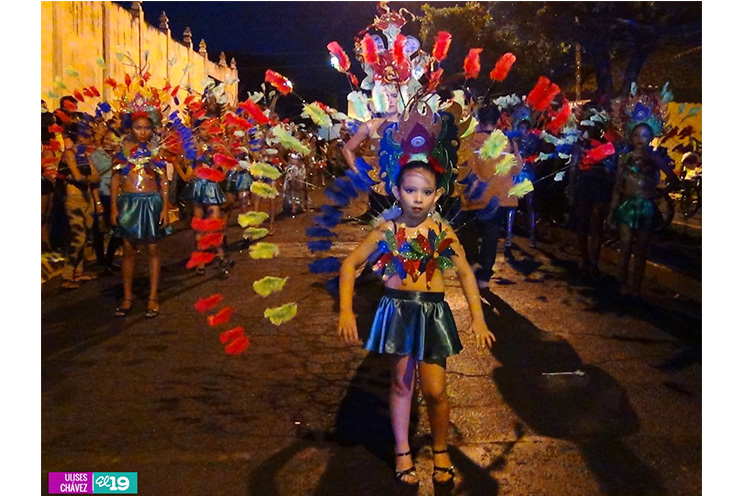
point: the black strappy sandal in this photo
(121, 311)
(400, 474)
(448, 470)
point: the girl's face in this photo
(417, 193)
(641, 137)
(142, 129)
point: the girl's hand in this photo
(483, 336)
(99, 208)
(347, 328)
(164, 218)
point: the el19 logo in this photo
(115, 482)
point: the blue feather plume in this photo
(326, 265)
(332, 286)
(319, 232)
(336, 196)
(315, 246)
(392, 213)
(331, 212)
(476, 192)
(325, 221)
(489, 211)
(344, 184)
(361, 181)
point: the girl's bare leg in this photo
(403, 371)
(640, 250)
(626, 243)
(127, 272)
(153, 271)
(433, 383)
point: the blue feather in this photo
(326, 265)
(325, 221)
(362, 165)
(361, 181)
(489, 211)
(319, 232)
(392, 213)
(105, 107)
(477, 191)
(344, 184)
(512, 134)
(337, 197)
(315, 246)
(332, 286)
(331, 211)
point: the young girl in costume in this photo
(295, 185)
(632, 207)
(139, 194)
(413, 323)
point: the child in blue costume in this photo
(413, 323)
(139, 192)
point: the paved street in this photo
(584, 393)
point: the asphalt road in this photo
(584, 393)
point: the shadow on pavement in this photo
(544, 381)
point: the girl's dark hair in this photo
(414, 165)
(488, 114)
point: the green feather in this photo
(101, 62)
(252, 218)
(521, 189)
(262, 169)
(505, 164)
(288, 141)
(51, 94)
(316, 114)
(494, 145)
(390, 239)
(445, 263)
(254, 233)
(268, 285)
(263, 250)
(282, 314)
(120, 56)
(263, 190)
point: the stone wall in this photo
(77, 34)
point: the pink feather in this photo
(343, 60)
(369, 50)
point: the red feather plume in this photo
(210, 174)
(55, 128)
(220, 317)
(598, 154)
(282, 84)
(369, 50)
(353, 79)
(399, 56)
(95, 91)
(78, 96)
(198, 258)
(238, 346)
(127, 80)
(434, 78)
(111, 82)
(441, 46)
(87, 92)
(555, 125)
(224, 161)
(502, 67)
(254, 111)
(232, 120)
(230, 334)
(211, 240)
(343, 60)
(208, 303)
(70, 106)
(542, 94)
(207, 225)
(472, 64)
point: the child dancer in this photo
(413, 323)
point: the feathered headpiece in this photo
(648, 107)
(136, 98)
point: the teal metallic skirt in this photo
(207, 192)
(414, 323)
(139, 216)
(238, 180)
(635, 212)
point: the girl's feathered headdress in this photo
(646, 107)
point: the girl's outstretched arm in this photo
(483, 336)
(347, 328)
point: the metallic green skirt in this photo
(415, 323)
(139, 216)
(635, 212)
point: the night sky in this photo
(287, 37)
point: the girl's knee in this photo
(434, 395)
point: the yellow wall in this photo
(679, 116)
(76, 34)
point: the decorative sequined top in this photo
(138, 157)
(415, 256)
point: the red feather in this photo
(230, 334)
(560, 119)
(198, 258)
(211, 240)
(54, 146)
(343, 60)
(220, 317)
(95, 91)
(399, 56)
(472, 64)
(127, 80)
(210, 174)
(232, 120)
(46, 162)
(207, 303)
(238, 346)
(441, 46)
(224, 161)
(353, 79)
(111, 82)
(78, 96)
(70, 106)
(146, 76)
(369, 50)
(207, 225)
(502, 67)
(434, 78)
(598, 154)
(279, 82)
(87, 92)
(255, 111)
(55, 128)
(542, 94)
